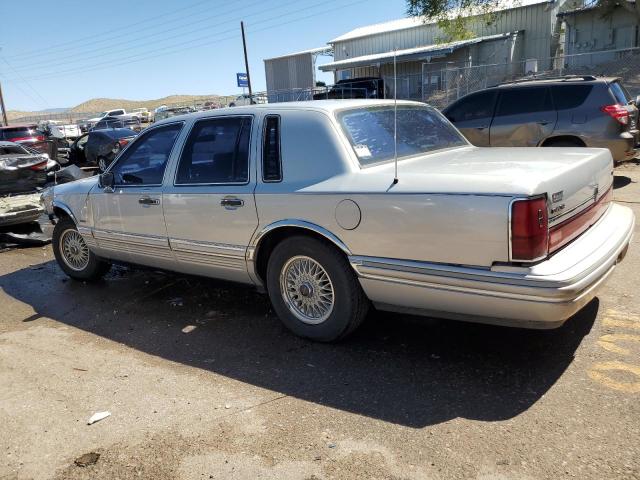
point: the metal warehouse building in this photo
(518, 34)
(530, 37)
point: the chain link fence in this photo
(439, 84)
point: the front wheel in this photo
(314, 290)
(73, 254)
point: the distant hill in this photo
(101, 104)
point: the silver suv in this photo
(568, 111)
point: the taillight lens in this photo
(529, 229)
(618, 112)
(38, 167)
(123, 142)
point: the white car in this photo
(61, 129)
(143, 113)
(119, 113)
(302, 201)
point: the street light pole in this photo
(246, 62)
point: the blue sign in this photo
(243, 81)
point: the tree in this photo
(452, 16)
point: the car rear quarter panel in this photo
(440, 228)
(451, 228)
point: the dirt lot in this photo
(237, 397)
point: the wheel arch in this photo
(61, 210)
(266, 240)
(564, 138)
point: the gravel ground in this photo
(203, 382)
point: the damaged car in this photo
(22, 175)
(98, 148)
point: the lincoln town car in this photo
(336, 206)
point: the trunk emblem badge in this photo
(557, 197)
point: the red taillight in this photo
(529, 229)
(123, 142)
(618, 112)
(39, 166)
(38, 138)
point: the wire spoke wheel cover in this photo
(74, 250)
(307, 289)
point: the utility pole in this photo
(246, 62)
(4, 111)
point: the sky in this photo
(59, 54)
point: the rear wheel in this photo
(314, 290)
(73, 254)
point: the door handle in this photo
(482, 128)
(543, 122)
(232, 202)
(148, 201)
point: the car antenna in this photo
(395, 120)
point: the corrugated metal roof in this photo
(413, 22)
(436, 50)
(326, 49)
(586, 8)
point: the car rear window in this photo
(419, 130)
(566, 97)
(116, 133)
(16, 132)
(620, 93)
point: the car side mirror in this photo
(106, 180)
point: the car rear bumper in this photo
(544, 295)
(623, 147)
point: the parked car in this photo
(362, 87)
(21, 171)
(245, 99)
(99, 147)
(61, 129)
(22, 133)
(29, 135)
(172, 112)
(119, 113)
(142, 113)
(582, 111)
(300, 200)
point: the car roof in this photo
(327, 106)
(565, 80)
(116, 132)
(22, 125)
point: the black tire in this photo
(95, 267)
(563, 143)
(350, 304)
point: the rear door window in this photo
(518, 101)
(474, 107)
(620, 93)
(216, 152)
(566, 97)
